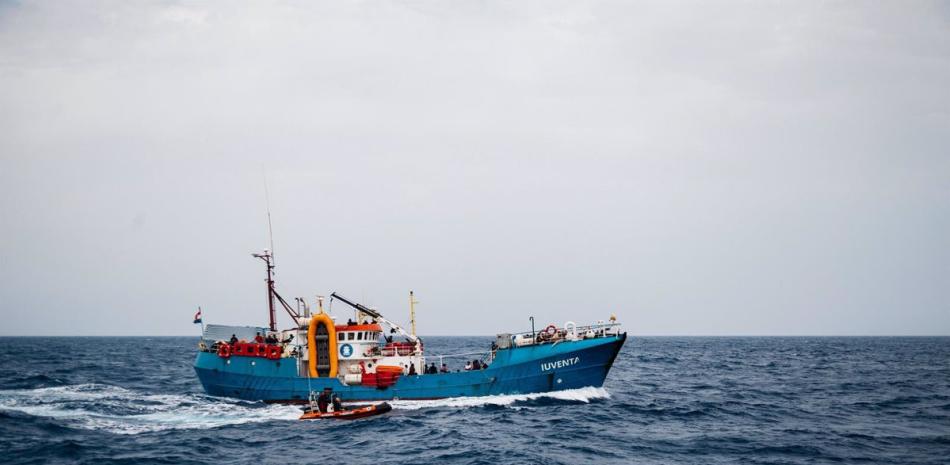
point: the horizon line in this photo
(484, 335)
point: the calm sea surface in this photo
(667, 400)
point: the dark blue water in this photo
(667, 400)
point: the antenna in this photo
(270, 227)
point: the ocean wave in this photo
(41, 380)
(123, 411)
(583, 395)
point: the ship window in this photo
(359, 336)
(349, 336)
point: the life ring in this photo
(570, 330)
(274, 352)
(551, 330)
(224, 351)
(238, 348)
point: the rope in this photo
(309, 387)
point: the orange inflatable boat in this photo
(348, 414)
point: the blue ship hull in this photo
(518, 370)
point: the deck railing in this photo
(546, 336)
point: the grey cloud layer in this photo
(730, 168)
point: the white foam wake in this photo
(585, 395)
(123, 411)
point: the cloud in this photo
(695, 168)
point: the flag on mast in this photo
(198, 316)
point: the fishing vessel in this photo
(368, 357)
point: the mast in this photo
(268, 259)
(412, 313)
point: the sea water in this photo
(796, 400)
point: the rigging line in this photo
(300, 359)
(309, 387)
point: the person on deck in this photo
(259, 339)
(271, 339)
(337, 403)
(432, 369)
(445, 368)
(412, 369)
(234, 339)
(323, 400)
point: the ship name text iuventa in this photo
(369, 357)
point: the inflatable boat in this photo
(347, 414)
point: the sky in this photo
(695, 168)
